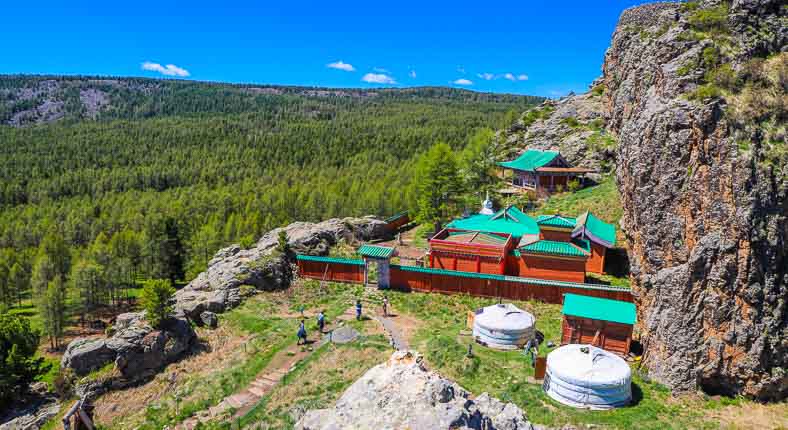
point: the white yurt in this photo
(503, 326)
(584, 376)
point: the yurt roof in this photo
(504, 317)
(595, 367)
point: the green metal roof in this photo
(553, 248)
(598, 230)
(375, 251)
(556, 221)
(510, 220)
(530, 160)
(599, 309)
(330, 259)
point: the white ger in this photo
(584, 376)
(503, 326)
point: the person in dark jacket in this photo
(358, 309)
(321, 321)
(301, 334)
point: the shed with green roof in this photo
(604, 323)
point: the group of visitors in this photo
(321, 319)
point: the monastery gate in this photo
(413, 278)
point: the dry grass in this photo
(122, 409)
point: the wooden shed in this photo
(604, 323)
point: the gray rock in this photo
(32, 416)
(85, 355)
(402, 393)
(136, 348)
(209, 318)
(344, 334)
(706, 223)
(263, 267)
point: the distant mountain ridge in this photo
(34, 99)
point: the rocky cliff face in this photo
(403, 394)
(703, 185)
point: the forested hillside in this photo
(155, 177)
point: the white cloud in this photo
(462, 81)
(168, 70)
(412, 74)
(522, 77)
(380, 70)
(378, 78)
(340, 65)
(486, 76)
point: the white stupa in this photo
(487, 206)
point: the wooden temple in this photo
(543, 171)
(509, 242)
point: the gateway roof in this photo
(595, 229)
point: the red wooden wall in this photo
(337, 272)
(441, 281)
(613, 337)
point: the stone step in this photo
(237, 400)
(263, 383)
(257, 391)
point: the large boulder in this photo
(136, 348)
(402, 393)
(85, 355)
(263, 266)
(705, 206)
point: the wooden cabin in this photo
(604, 323)
(542, 171)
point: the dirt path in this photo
(243, 401)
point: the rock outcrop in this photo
(136, 348)
(402, 394)
(705, 216)
(263, 266)
(573, 125)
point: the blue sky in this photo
(548, 48)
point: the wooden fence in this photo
(331, 269)
(412, 278)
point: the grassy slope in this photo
(602, 200)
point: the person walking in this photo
(358, 309)
(301, 334)
(321, 321)
(385, 305)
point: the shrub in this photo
(570, 121)
(573, 185)
(18, 368)
(155, 299)
(714, 20)
(283, 245)
(705, 92)
(598, 90)
(247, 241)
(723, 76)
